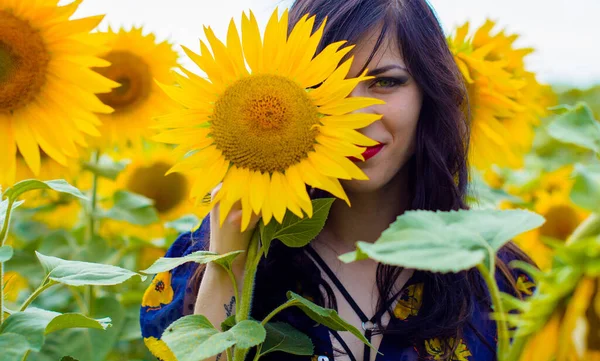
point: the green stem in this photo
(3, 237)
(500, 316)
(235, 290)
(44, 286)
(589, 227)
(92, 208)
(229, 355)
(243, 312)
(92, 223)
(258, 349)
(276, 311)
(26, 355)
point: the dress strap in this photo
(368, 324)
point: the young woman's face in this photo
(397, 127)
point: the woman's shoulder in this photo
(165, 300)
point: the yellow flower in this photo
(47, 88)
(550, 198)
(410, 302)
(137, 60)
(159, 349)
(265, 132)
(160, 291)
(145, 175)
(14, 283)
(506, 101)
(436, 348)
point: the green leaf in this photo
(13, 346)
(228, 323)
(586, 189)
(104, 342)
(132, 208)
(4, 208)
(76, 273)
(106, 167)
(193, 338)
(285, 338)
(446, 241)
(184, 224)
(295, 231)
(59, 185)
(164, 264)
(68, 358)
(325, 316)
(6, 253)
(34, 324)
(577, 126)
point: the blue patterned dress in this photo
(167, 299)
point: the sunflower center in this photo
(561, 221)
(134, 75)
(23, 62)
(167, 192)
(265, 123)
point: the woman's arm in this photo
(216, 294)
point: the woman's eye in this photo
(387, 83)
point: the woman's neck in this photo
(370, 214)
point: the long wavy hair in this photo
(439, 170)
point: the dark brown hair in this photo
(439, 167)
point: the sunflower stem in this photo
(3, 237)
(44, 286)
(500, 316)
(253, 258)
(92, 222)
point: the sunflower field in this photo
(109, 149)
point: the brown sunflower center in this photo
(167, 192)
(134, 75)
(265, 123)
(561, 221)
(23, 62)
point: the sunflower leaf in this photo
(6, 253)
(59, 185)
(132, 208)
(164, 264)
(294, 231)
(194, 338)
(76, 273)
(446, 241)
(586, 189)
(325, 316)
(13, 346)
(106, 167)
(285, 338)
(34, 324)
(577, 126)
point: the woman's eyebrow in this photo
(383, 69)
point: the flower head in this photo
(269, 128)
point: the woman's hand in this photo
(228, 237)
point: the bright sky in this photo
(564, 32)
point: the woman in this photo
(419, 164)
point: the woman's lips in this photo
(369, 153)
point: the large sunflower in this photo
(505, 99)
(136, 60)
(46, 85)
(264, 131)
(145, 175)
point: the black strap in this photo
(344, 344)
(353, 304)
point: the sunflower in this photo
(136, 60)
(268, 130)
(47, 88)
(145, 175)
(551, 198)
(506, 100)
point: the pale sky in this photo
(565, 32)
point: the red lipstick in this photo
(369, 153)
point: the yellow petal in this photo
(258, 191)
(251, 42)
(28, 147)
(348, 105)
(277, 196)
